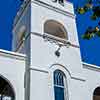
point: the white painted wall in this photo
(44, 14)
(70, 57)
(92, 74)
(12, 68)
(39, 88)
(41, 60)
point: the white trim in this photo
(26, 5)
(12, 54)
(95, 66)
(64, 69)
(64, 86)
(56, 9)
(59, 86)
(57, 39)
(37, 68)
(91, 67)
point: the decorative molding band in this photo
(37, 34)
(69, 72)
(66, 13)
(56, 39)
(46, 71)
(77, 78)
(40, 70)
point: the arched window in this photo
(6, 91)
(55, 29)
(96, 94)
(60, 85)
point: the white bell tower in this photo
(45, 30)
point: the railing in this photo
(58, 41)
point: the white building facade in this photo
(45, 63)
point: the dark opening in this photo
(55, 29)
(96, 94)
(6, 91)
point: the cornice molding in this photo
(64, 42)
(13, 55)
(91, 67)
(66, 13)
(40, 3)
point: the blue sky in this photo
(8, 10)
(89, 48)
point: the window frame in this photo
(64, 87)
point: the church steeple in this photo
(45, 30)
(57, 6)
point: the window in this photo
(59, 85)
(55, 29)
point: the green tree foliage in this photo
(95, 8)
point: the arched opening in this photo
(56, 29)
(6, 90)
(60, 85)
(96, 94)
